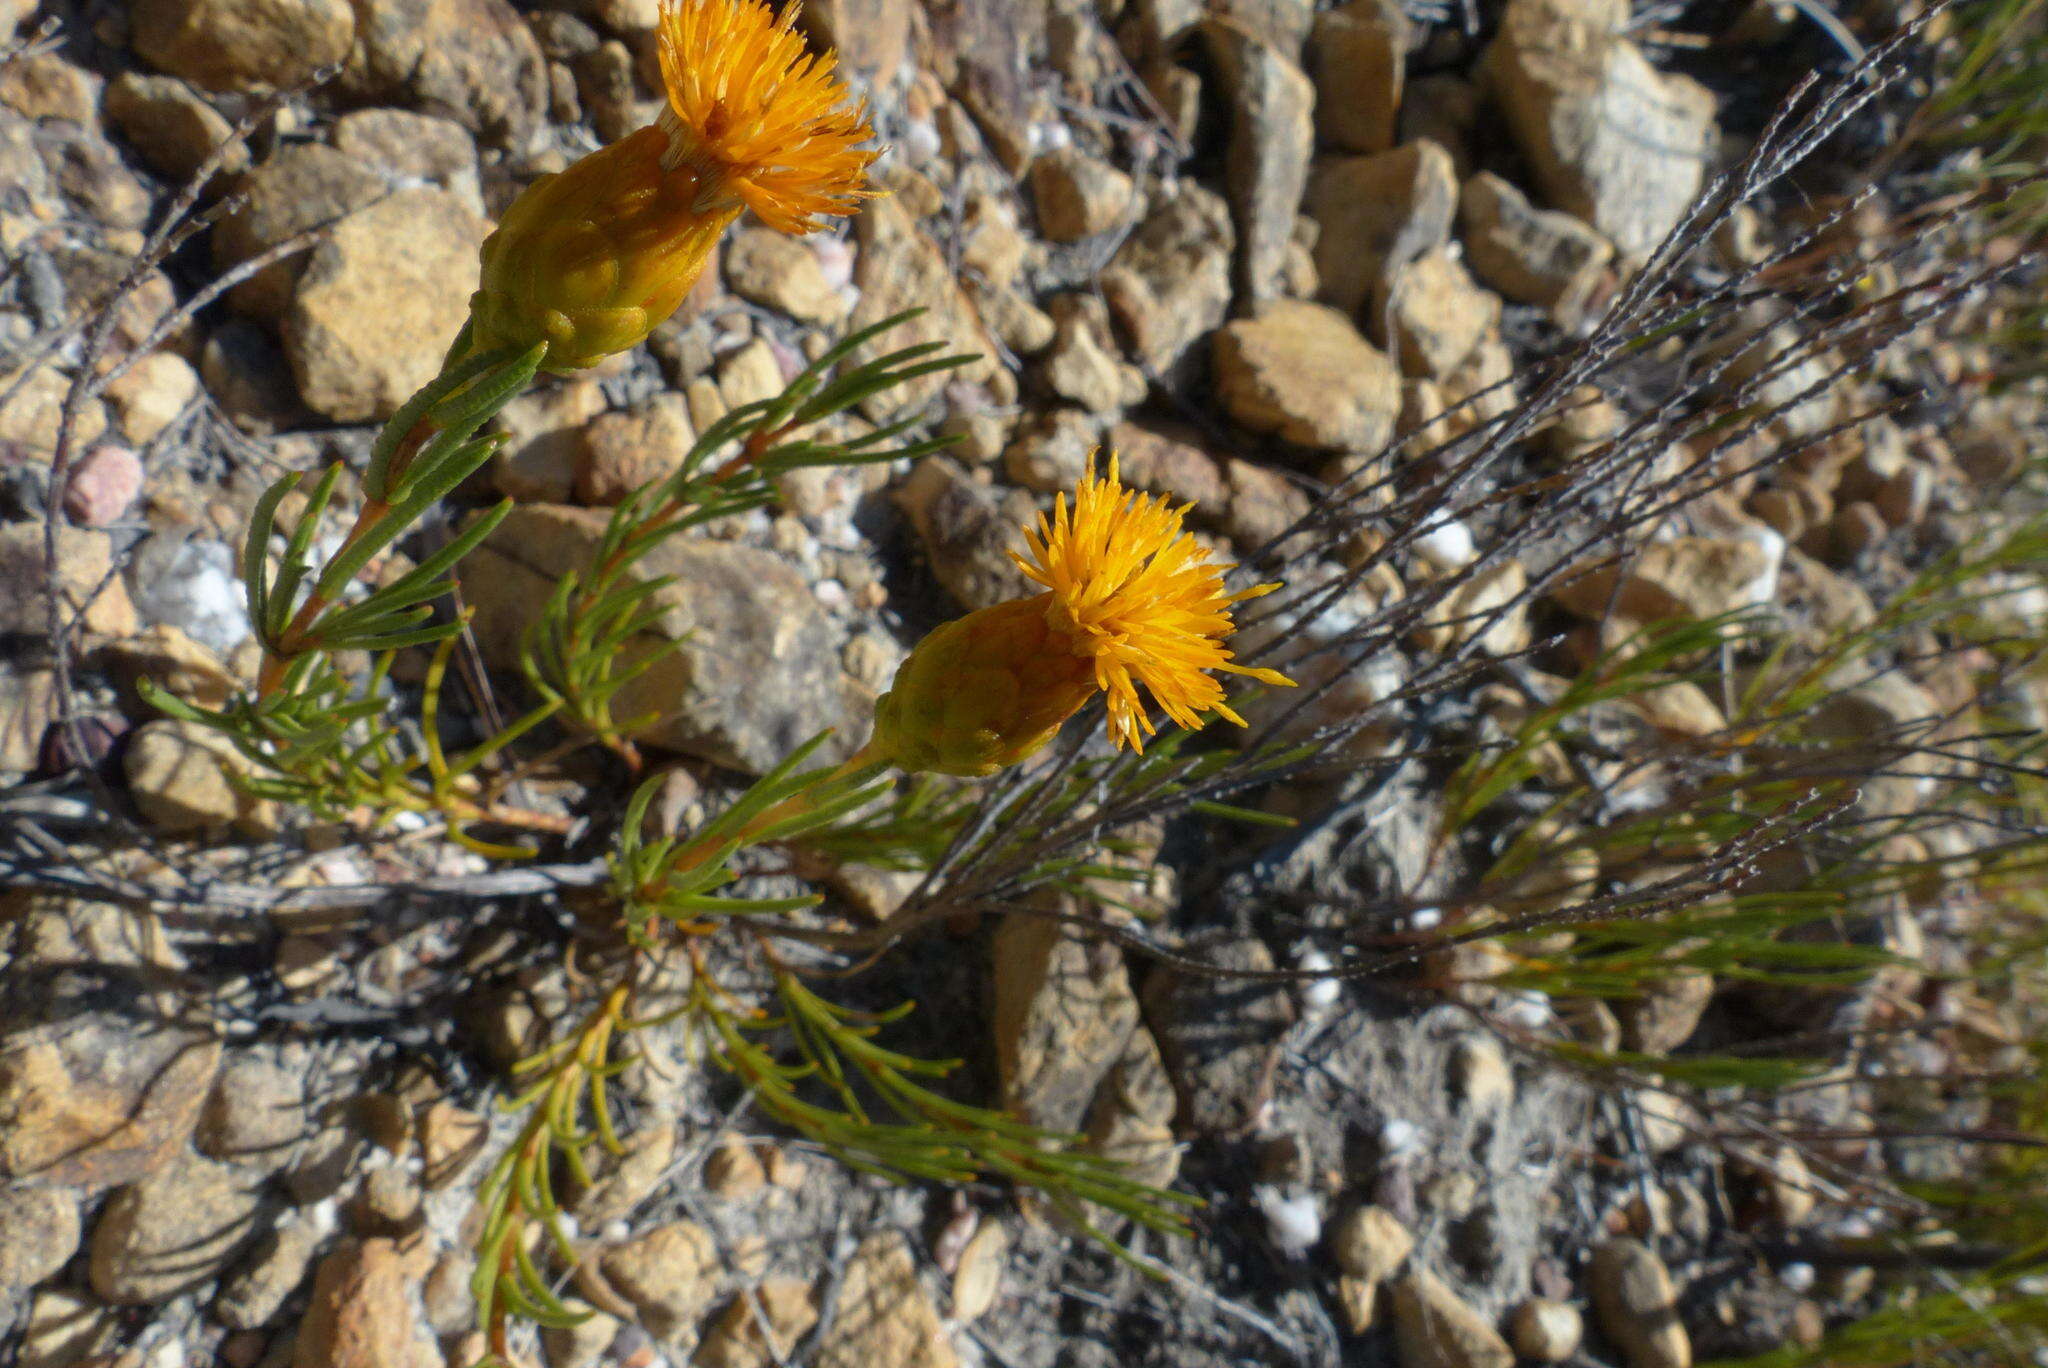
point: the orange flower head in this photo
(1131, 599)
(761, 120)
(592, 259)
(1132, 592)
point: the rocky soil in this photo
(1247, 243)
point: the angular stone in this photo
(755, 672)
(883, 1317)
(408, 148)
(1266, 161)
(298, 187)
(171, 1232)
(42, 1226)
(252, 1295)
(362, 1312)
(1170, 461)
(94, 1106)
(1533, 256)
(1435, 1328)
(1358, 55)
(1078, 195)
(1637, 1305)
(967, 533)
(44, 85)
(1434, 313)
(1612, 140)
(473, 61)
(670, 1274)
(152, 394)
(1064, 1014)
(1220, 1038)
(171, 126)
(178, 775)
(736, 1339)
(380, 301)
(900, 268)
(1169, 284)
(1377, 213)
(1304, 372)
(242, 44)
(86, 587)
(620, 452)
(1697, 577)
(781, 272)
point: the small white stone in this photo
(1293, 1223)
(1425, 919)
(1446, 544)
(1318, 995)
(1797, 1277)
(1399, 1137)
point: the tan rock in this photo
(30, 418)
(45, 85)
(380, 301)
(979, 1276)
(93, 1107)
(750, 374)
(670, 1274)
(172, 661)
(1376, 214)
(242, 44)
(1434, 1328)
(733, 1171)
(1435, 314)
(1358, 54)
(172, 1231)
(1637, 1305)
(1021, 326)
(42, 1226)
(620, 452)
(737, 1338)
(363, 1312)
(1612, 140)
(86, 587)
(298, 187)
(628, 1178)
(1547, 1331)
(1083, 366)
(1370, 1243)
(473, 61)
(151, 394)
(884, 1317)
(1051, 454)
(178, 774)
(1064, 1013)
(1533, 256)
(1169, 460)
(783, 273)
(899, 268)
(170, 125)
(1304, 372)
(755, 671)
(1697, 577)
(407, 147)
(545, 450)
(1266, 160)
(64, 1329)
(1169, 284)
(967, 533)
(1078, 195)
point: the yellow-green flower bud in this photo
(981, 693)
(590, 260)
